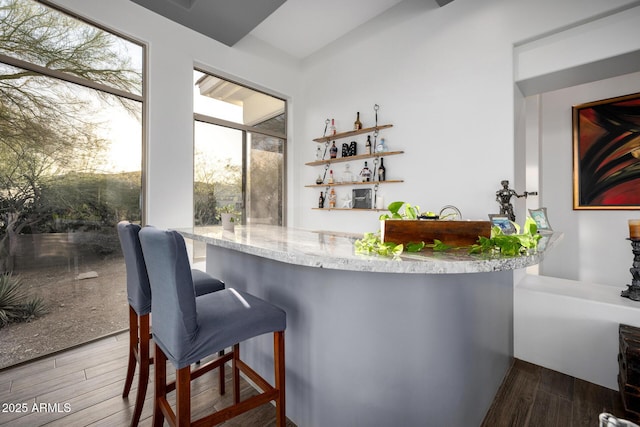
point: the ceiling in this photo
(297, 27)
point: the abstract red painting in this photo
(606, 154)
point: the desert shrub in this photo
(15, 304)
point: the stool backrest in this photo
(175, 322)
(138, 289)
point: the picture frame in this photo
(361, 198)
(503, 222)
(606, 154)
(542, 221)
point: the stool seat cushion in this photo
(204, 283)
(224, 318)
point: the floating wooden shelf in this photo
(335, 184)
(351, 133)
(352, 158)
(327, 162)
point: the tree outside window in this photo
(70, 141)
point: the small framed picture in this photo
(503, 222)
(361, 198)
(541, 219)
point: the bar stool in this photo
(139, 297)
(187, 329)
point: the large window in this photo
(70, 168)
(239, 152)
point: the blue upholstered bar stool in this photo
(187, 329)
(139, 296)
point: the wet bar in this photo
(421, 340)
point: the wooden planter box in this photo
(454, 233)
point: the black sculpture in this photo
(503, 197)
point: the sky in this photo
(215, 143)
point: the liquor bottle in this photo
(332, 128)
(357, 125)
(321, 201)
(333, 151)
(318, 153)
(382, 146)
(331, 176)
(346, 174)
(365, 173)
(332, 198)
(367, 148)
(382, 170)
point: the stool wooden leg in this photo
(221, 373)
(143, 378)
(160, 388)
(278, 362)
(183, 397)
(133, 348)
(236, 373)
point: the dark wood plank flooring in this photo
(532, 396)
(89, 380)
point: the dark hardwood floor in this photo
(532, 396)
(83, 387)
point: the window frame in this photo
(203, 118)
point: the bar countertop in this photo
(335, 250)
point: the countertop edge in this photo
(407, 263)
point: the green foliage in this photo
(204, 203)
(415, 246)
(15, 304)
(371, 244)
(439, 246)
(499, 243)
(397, 211)
(509, 244)
(230, 209)
(82, 201)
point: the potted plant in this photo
(402, 230)
(406, 223)
(227, 215)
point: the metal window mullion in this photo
(61, 75)
(233, 125)
(244, 176)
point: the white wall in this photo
(444, 78)
(597, 59)
(173, 50)
(594, 248)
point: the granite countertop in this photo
(334, 250)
